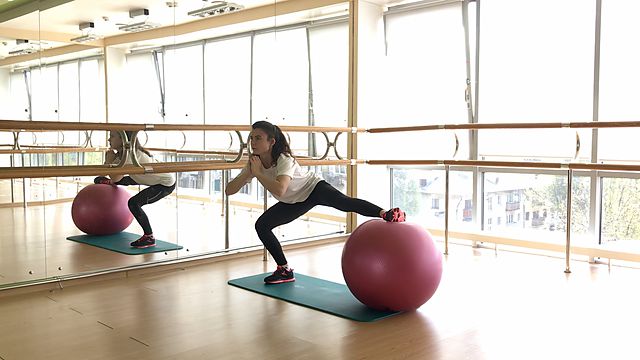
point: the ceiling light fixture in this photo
(24, 51)
(88, 35)
(86, 38)
(140, 25)
(23, 47)
(216, 8)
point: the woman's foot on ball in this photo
(394, 215)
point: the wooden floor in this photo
(504, 306)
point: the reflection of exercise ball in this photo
(100, 209)
(391, 266)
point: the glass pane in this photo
(69, 99)
(545, 76)
(329, 74)
(184, 89)
(227, 81)
(418, 88)
(92, 107)
(329, 82)
(620, 225)
(421, 88)
(619, 74)
(421, 194)
(45, 93)
(534, 206)
(18, 106)
(142, 101)
(281, 78)
(69, 92)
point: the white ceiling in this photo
(59, 24)
(65, 18)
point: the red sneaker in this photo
(144, 242)
(281, 275)
(394, 215)
(103, 180)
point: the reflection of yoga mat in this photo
(120, 242)
(314, 293)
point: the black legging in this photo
(149, 195)
(283, 213)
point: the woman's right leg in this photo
(327, 195)
(279, 214)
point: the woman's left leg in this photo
(279, 214)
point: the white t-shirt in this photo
(302, 182)
(166, 179)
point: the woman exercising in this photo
(297, 192)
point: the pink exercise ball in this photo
(391, 266)
(101, 209)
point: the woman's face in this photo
(260, 142)
(115, 141)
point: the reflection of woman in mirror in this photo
(159, 185)
(297, 192)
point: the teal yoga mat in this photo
(323, 295)
(120, 243)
